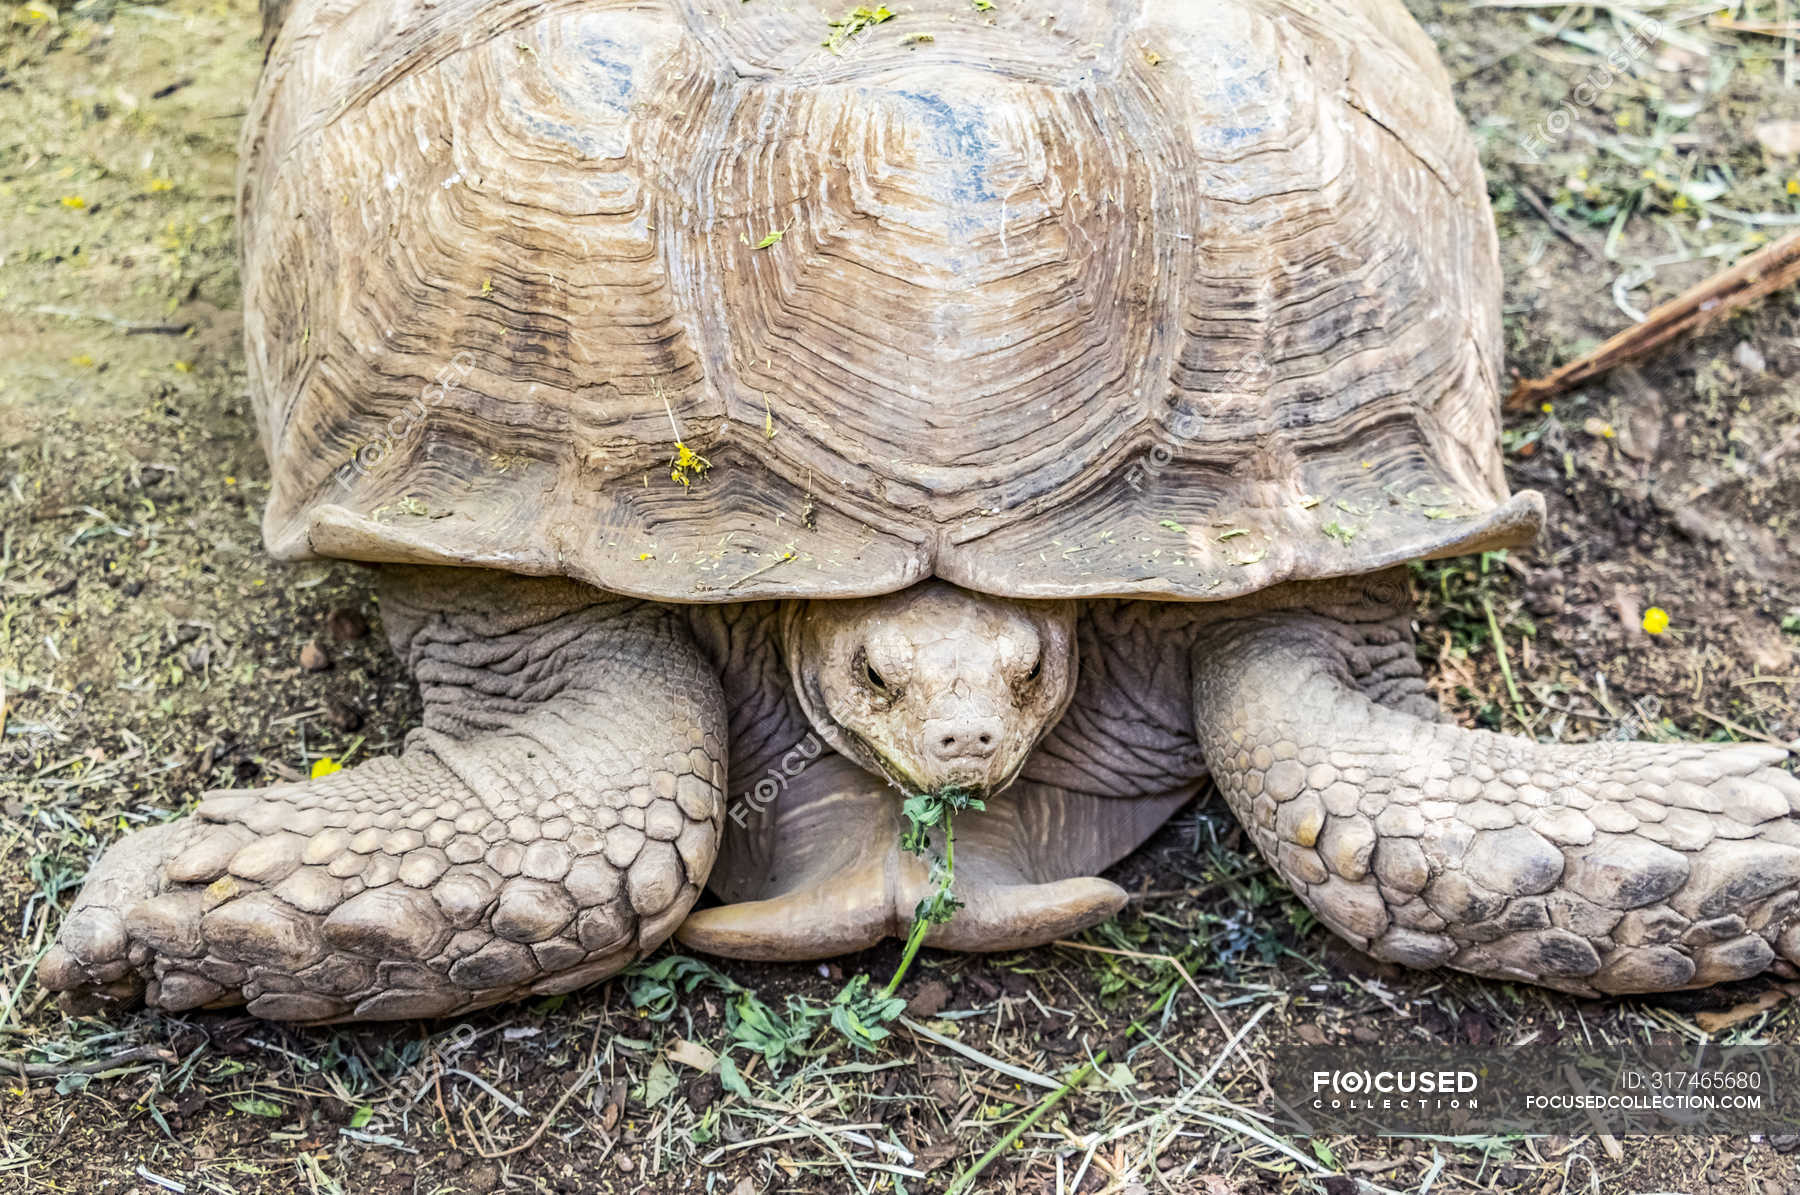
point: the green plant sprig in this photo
(924, 811)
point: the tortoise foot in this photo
(560, 832)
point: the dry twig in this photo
(1757, 276)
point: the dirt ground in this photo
(150, 651)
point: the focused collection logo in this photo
(1398, 1090)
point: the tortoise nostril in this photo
(965, 738)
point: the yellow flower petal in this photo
(325, 766)
(1656, 620)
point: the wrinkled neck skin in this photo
(934, 688)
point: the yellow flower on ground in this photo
(325, 766)
(74, 201)
(1656, 620)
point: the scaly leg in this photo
(553, 820)
(1594, 868)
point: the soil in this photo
(150, 651)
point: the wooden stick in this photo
(1757, 276)
(54, 1070)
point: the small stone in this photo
(314, 657)
(343, 715)
(346, 625)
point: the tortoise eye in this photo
(1037, 670)
(872, 676)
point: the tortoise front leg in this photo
(1605, 867)
(552, 821)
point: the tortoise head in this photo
(933, 687)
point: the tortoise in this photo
(757, 417)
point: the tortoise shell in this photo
(706, 300)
